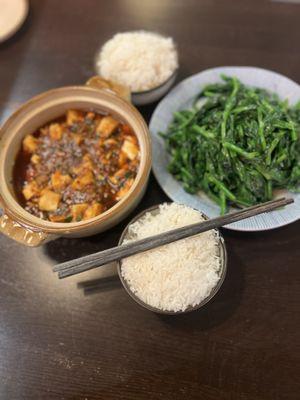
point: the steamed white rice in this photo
(140, 60)
(178, 275)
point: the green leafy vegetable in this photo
(240, 145)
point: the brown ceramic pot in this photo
(98, 95)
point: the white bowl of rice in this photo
(145, 62)
(179, 277)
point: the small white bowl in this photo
(222, 271)
(152, 95)
(12, 16)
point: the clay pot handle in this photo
(21, 234)
(97, 82)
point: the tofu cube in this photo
(90, 115)
(77, 138)
(110, 142)
(30, 190)
(73, 117)
(77, 169)
(92, 211)
(49, 200)
(130, 149)
(83, 180)
(86, 164)
(55, 131)
(35, 159)
(106, 126)
(120, 173)
(122, 159)
(59, 181)
(30, 143)
(124, 190)
(77, 211)
(57, 218)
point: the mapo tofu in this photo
(76, 167)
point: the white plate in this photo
(12, 16)
(180, 98)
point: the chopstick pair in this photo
(117, 253)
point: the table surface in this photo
(84, 338)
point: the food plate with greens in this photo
(230, 137)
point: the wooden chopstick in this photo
(95, 260)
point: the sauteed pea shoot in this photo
(237, 144)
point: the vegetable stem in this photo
(237, 146)
(228, 107)
(272, 147)
(203, 132)
(239, 150)
(261, 129)
(222, 187)
(222, 202)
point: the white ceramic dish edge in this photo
(23, 9)
(152, 95)
(181, 97)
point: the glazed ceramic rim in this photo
(142, 92)
(15, 211)
(182, 94)
(215, 289)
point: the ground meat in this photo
(76, 167)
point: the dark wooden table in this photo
(84, 338)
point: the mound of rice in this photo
(140, 60)
(178, 275)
